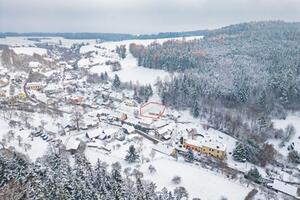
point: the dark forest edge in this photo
(106, 36)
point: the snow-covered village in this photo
(121, 116)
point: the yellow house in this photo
(208, 146)
(21, 96)
(130, 103)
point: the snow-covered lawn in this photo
(198, 181)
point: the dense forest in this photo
(54, 176)
(252, 69)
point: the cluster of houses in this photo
(11, 90)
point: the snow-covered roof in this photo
(102, 136)
(53, 87)
(214, 144)
(207, 142)
(103, 111)
(129, 128)
(94, 133)
(72, 144)
(164, 129)
(160, 123)
(111, 131)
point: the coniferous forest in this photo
(236, 74)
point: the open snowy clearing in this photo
(30, 50)
(112, 45)
(200, 183)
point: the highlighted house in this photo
(208, 146)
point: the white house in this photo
(72, 144)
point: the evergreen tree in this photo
(189, 155)
(116, 191)
(180, 193)
(294, 157)
(240, 153)
(101, 179)
(195, 110)
(116, 82)
(254, 175)
(132, 155)
(140, 191)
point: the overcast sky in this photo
(138, 16)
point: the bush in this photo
(176, 180)
(254, 175)
(294, 157)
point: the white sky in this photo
(138, 16)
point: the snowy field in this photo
(16, 41)
(130, 70)
(30, 50)
(200, 182)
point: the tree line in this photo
(54, 177)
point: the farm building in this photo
(209, 146)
